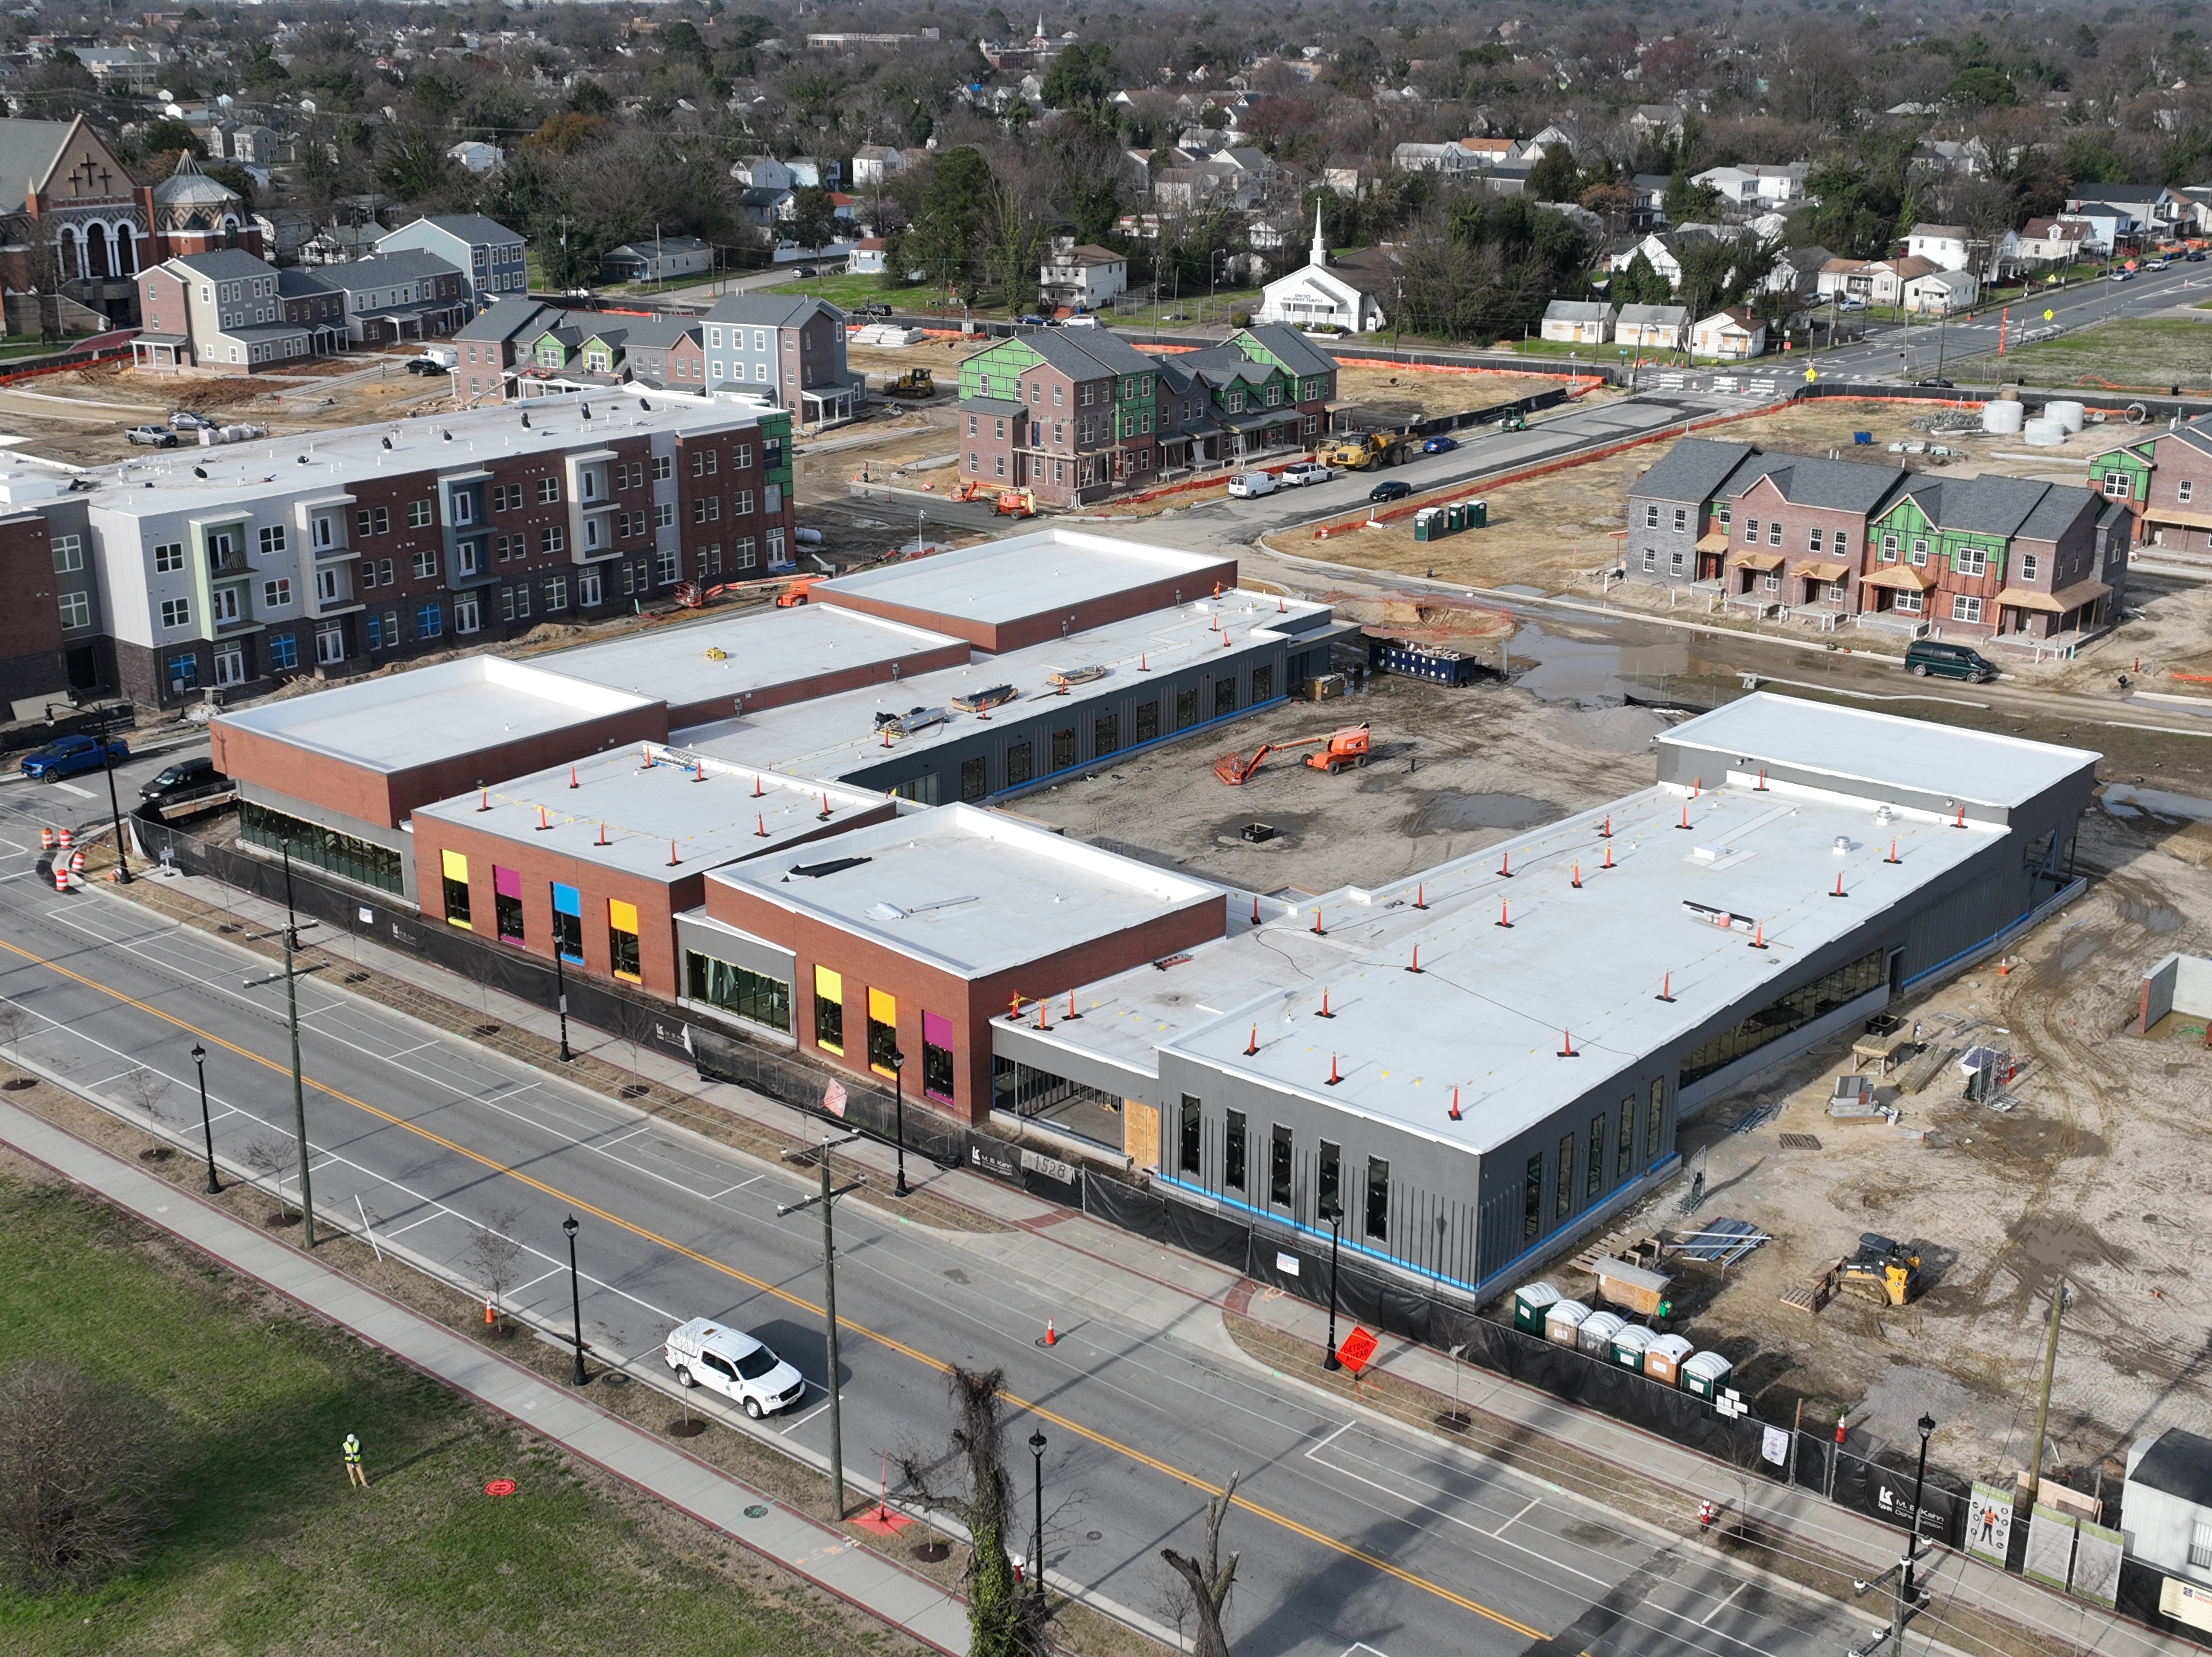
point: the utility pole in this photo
(2043, 1402)
(827, 1201)
(292, 975)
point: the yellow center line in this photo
(797, 1302)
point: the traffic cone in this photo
(65, 839)
(46, 840)
(490, 1318)
(1051, 1335)
(61, 878)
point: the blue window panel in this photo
(283, 650)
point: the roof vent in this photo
(1843, 844)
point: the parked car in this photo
(1939, 383)
(1440, 446)
(734, 1364)
(184, 781)
(1250, 486)
(422, 365)
(446, 356)
(1391, 488)
(185, 420)
(66, 757)
(1031, 320)
(1850, 303)
(1926, 658)
(157, 437)
(2196, 256)
(1300, 473)
(2121, 276)
(875, 308)
(1081, 322)
(806, 271)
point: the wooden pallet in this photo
(1926, 1068)
(1637, 1248)
(1816, 1291)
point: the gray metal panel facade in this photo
(755, 954)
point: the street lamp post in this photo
(1036, 1544)
(1927, 1425)
(898, 1096)
(575, 1304)
(561, 994)
(1335, 1214)
(207, 1130)
(292, 975)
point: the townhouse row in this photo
(1994, 558)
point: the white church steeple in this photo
(1318, 257)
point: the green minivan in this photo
(1923, 657)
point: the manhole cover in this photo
(486, 1030)
(17, 1084)
(756, 1510)
(1092, 1536)
(634, 1091)
(499, 1487)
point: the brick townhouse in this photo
(1078, 417)
(2166, 482)
(381, 546)
(1986, 557)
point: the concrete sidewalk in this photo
(1099, 1269)
(819, 1553)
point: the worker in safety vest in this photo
(355, 1475)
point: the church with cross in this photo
(84, 227)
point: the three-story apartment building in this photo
(787, 350)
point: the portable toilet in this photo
(1629, 1345)
(1428, 523)
(1595, 1337)
(1562, 1320)
(1477, 514)
(1531, 1301)
(1704, 1374)
(1663, 1359)
(1455, 516)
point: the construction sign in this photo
(1357, 1350)
(1989, 1524)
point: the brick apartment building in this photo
(2165, 481)
(241, 567)
(1987, 557)
(1078, 417)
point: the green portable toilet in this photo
(1531, 1301)
(1477, 514)
(1630, 1344)
(1428, 524)
(1455, 517)
(1704, 1374)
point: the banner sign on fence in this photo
(1988, 1525)
(2097, 1565)
(1287, 1264)
(2185, 1602)
(1774, 1446)
(2049, 1546)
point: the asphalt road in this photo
(1364, 1537)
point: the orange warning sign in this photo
(1358, 1347)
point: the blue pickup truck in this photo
(68, 756)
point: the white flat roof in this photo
(760, 648)
(281, 467)
(836, 736)
(646, 806)
(397, 721)
(1882, 750)
(1001, 581)
(1491, 1007)
(968, 891)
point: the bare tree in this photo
(80, 1477)
(492, 1254)
(1209, 1579)
(269, 1159)
(14, 1023)
(1003, 1621)
(146, 1088)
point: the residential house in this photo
(1080, 417)
(488, 254)
(876, 164)
(1082, 277)
(807, 172)
(2166, 482)
(1655, 251)
(250, 145)
(1576, 322)
(1314, 296)
(667, 353)
(1969, 158)
(402, 294)
(1551, 138)
(338, 243)
(867, 258)
(2199, 197)
(2149, 211)
(1491, 153)
(764, 204)
(474, 155)
(1998, 558)
(762, 173)
(1757, 186)
(1660, 121)
(1797, 270)
(1941, 293)
(493, 346)
(1875, 281)
(789, 350)
(223, 311)
(1647, 199)
(1943, 245)
(284, 232)
(1731, 336)
(1448, 158)
(2058, 241)
(658, 260)
(1653, 327)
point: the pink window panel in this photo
(936, 1057)
(508, 883)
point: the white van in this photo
(446, 356)
(1251, 486)
(703, 1353)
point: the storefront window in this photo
(737, 990)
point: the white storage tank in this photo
(1532, 1303)
(1662, 1360)
(1595, 1336)
(1564, 1320)
(2068, 415)
(1706, 1373)
(1629, 1345)
(2004, 418)
(2043, 434)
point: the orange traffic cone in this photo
(1051, 1336)
(490, 1318)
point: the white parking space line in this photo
(1523, 1514)
(794, 1426)
(71, 788)
(740, 1186)
(1723, 1605)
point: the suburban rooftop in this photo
(1023, 575)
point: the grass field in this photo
(2132, 353)
(268, 1550)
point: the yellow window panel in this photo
(830, 986)
(882, 1008)
(622, 917)
(456, 866)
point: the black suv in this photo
(186, 781)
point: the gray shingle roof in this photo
(1834, 485)
(658, 333)
(1693, 470)
(472, 228)
(770, 310)
(1299, 353)
(1576, 310)
(224, 265)
(508, 318)
(1654, 316)
(28, 149)
(401, 265)
(2061, 506)
(1990, 505)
